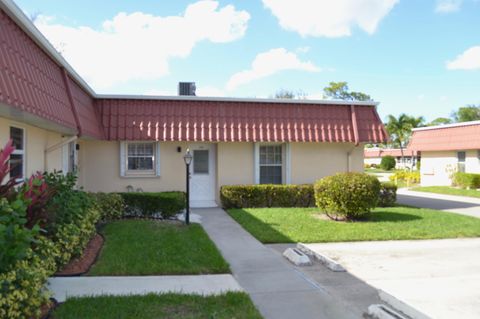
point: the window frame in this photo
(20, 152)
(286, 174)
(141, 172)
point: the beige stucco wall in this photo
(437, 167)
(37, 140)
(312, 161)
(99, 168)
(235, 163)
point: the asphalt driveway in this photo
(455, 204)
(439, 278)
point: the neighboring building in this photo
(446, 149)
(117, 142)
(373, 156)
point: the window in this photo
(72, 167)
(461, 161)
(17, 158)
(271, 164)
(140, 156)
(200, 162)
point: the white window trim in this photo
(124, 172)
(286, 164)
(21, 152)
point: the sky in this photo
(416, 57)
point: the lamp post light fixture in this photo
(188, 160)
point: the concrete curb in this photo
(401, 306)
(324, 259)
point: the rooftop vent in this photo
(186, 88)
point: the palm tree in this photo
(400, 129)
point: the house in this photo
(446, 149)
(373, 156)
(121, 142)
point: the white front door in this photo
(202, 170)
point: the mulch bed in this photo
(82, 264)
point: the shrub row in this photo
(466, 180)
(388, 195)
(406, 176)
(164, 205)
(68, 220)
(243, 196)
(110, 205)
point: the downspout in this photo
(55, 147)
(75, 116)
(355, 136)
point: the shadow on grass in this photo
(382, 216)
(258, 228)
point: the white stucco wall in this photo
(437, 167)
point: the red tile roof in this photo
(460, 136)
(379, 152)
(223, 120)
(36, 80)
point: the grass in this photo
(145, 247)
(378, 170)
(287, 225)
(229, 305)
(447, 190)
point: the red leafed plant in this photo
(37, 193)
(8, 188)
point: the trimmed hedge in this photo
(244, 196)
(466, 180)
(388, 163)
(347, 196)
(110, 205)
(167, 204)
(388, 195)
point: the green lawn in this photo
(378, 170)
(146, 247)
(287, 225)
(172, 306)
(448, 191)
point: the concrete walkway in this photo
(63, 287)
(455, 204)
(275, 286)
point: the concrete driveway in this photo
(439, 278)
(455, 204)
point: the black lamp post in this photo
(188, 160)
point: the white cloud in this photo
(209, 91)
(329, 18)
(468, 60)
(269, 63)
(139, 45)
(157, 92)
(448, 6)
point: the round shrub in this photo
(347, 196)
(388, 163)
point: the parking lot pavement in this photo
(440, 278)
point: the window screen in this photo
(271, 164)
(200, 161)
(17, 158)
(461, 161)
(140, 156)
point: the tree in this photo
(467, 113)
(400, 129)
(339, 91)
(289, 94)
(440, 121)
